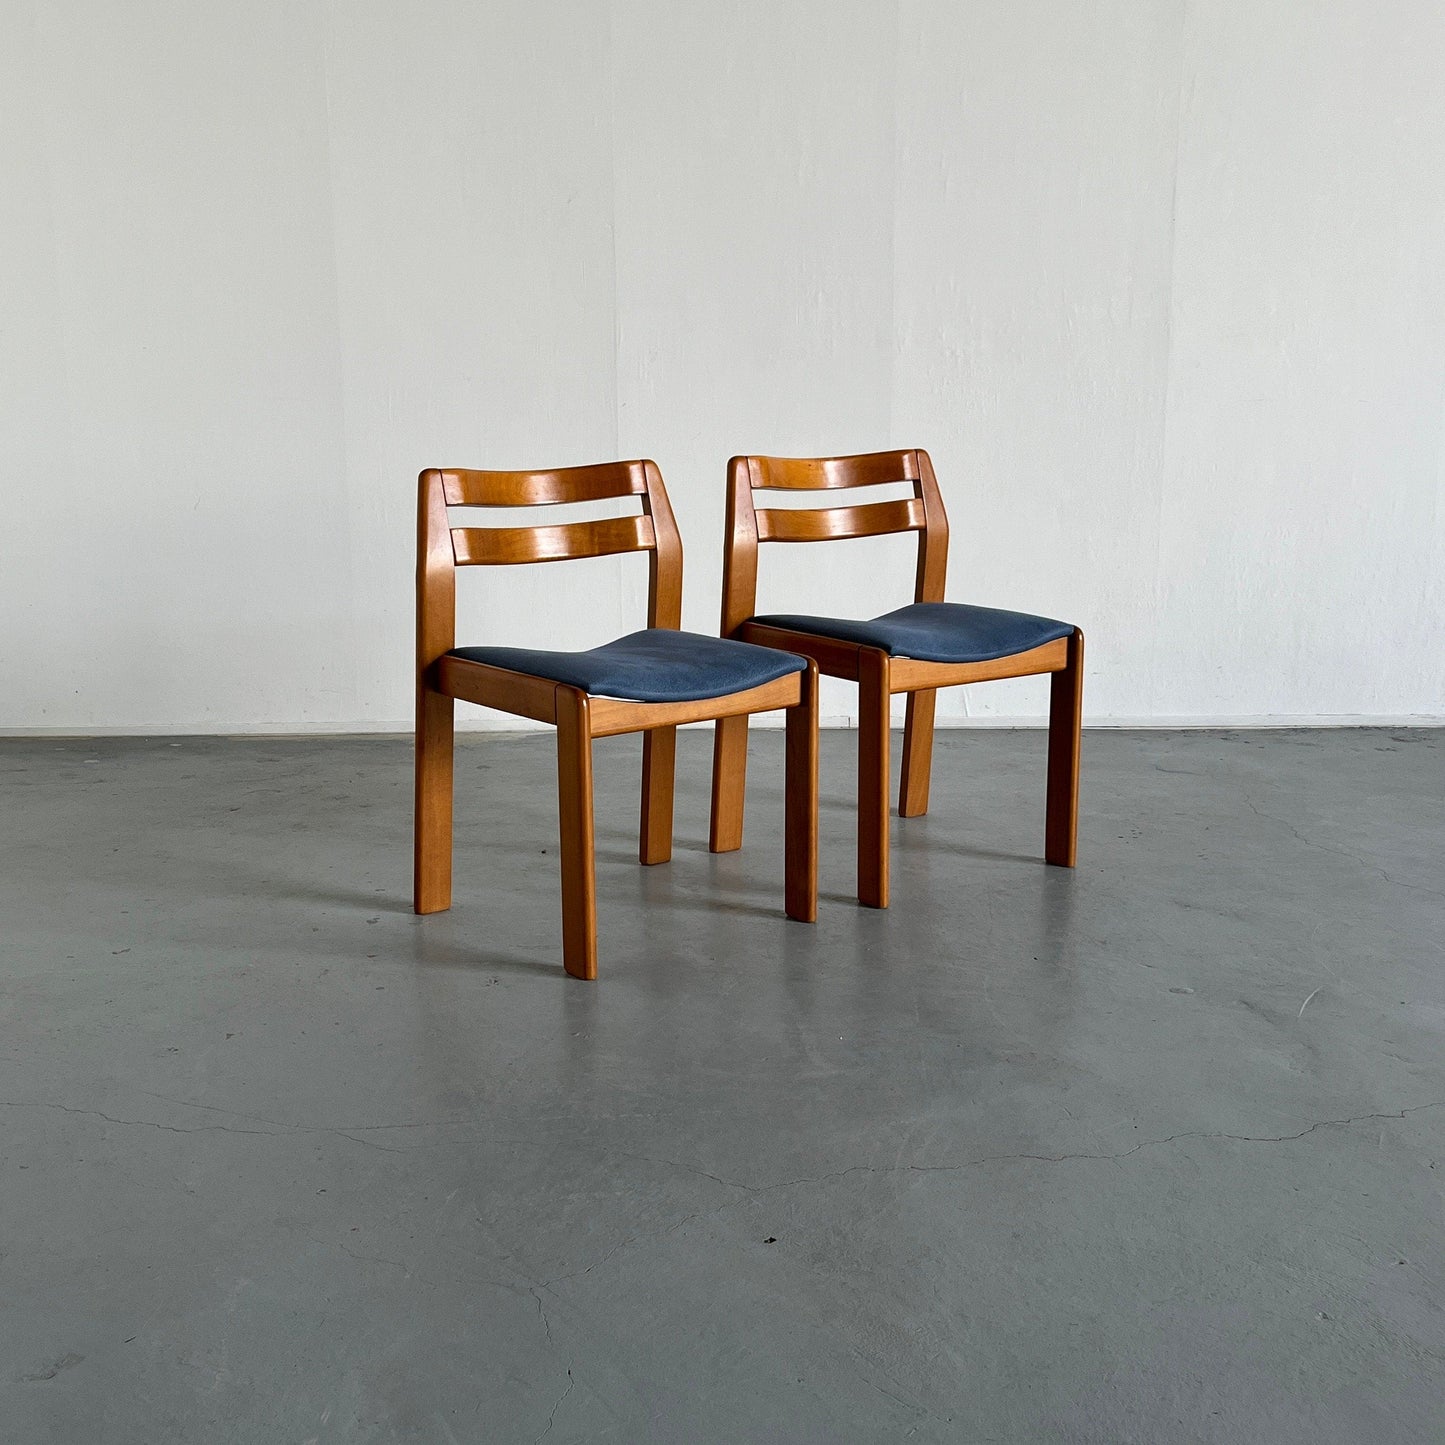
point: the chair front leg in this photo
(432, 818)
(574, 806)
(873, 696)
(729, 783)
(1066, 717)
(659, 771)
(800, 845)
(917, 753)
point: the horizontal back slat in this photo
(531, 489)
(812, 474)
(494, 546)
(833, 523)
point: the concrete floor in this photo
(1150, 1151)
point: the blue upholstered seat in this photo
(658, 665)
(936, 631)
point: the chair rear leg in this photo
(800, 865)
(574, 808)
(873, 698)
(432, 818)
(729, 783)
(1066, 716)
(917, 754)
(659, 771)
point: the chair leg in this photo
(917, 754)
(574, 806)
(729, 783)
(659, 769)
(432, 845)
(800, 866)
(873, 698)
(1066, 715)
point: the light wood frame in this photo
(441, 679)
(877, 674)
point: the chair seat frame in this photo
(579, 717)
(878, 674)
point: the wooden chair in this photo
(915, 650)
(648, 682)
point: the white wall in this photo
(1161, 286)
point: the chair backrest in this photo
(749, 524)
(442, 548)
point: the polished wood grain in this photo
(835, 656)
(730, 735)
(929, 580)
(613, 715)
(435, 636)
(815, 474)
(578, 718)
(873, 694)
(578, 850)
(531, 489)
(729, 784)
(432, 849)
(832, 524)
(932, 569)
(748, 525)
(659, 767)
(502, 546)
(917, 753)
(912, 675)
(800, 837)
(1066, 717)
(515, 692)
(664, 586)
(740, 549)
(664, 609)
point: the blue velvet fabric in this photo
(936, 631)
(658, 665)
